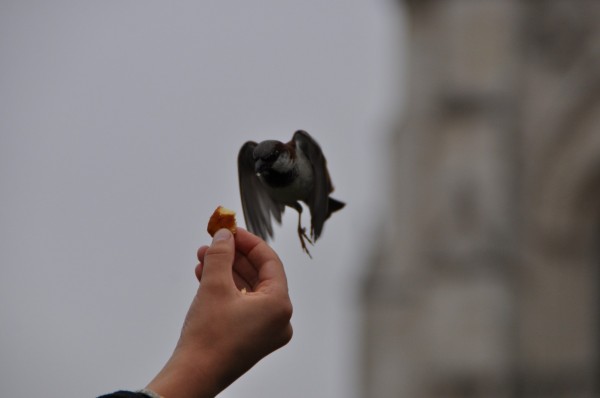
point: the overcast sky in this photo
(120, 124)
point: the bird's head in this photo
(272, 155)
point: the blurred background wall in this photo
(120, 124)
(487, 283)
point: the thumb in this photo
(218, 260)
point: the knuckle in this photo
(287, 335)
(218, 254)
(215, 288)
(218, 248)
(282, 314)
(280, 322)
(287, 311)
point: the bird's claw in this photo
(302, 235)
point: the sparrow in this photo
(273, 175)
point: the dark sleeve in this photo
(125, 394)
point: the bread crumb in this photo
(221, 218)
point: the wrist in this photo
(187, 376)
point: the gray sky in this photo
(120, 124)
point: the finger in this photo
(198, 271)
(218, 260)
(241, 283)
(245, 269)
(263, 258)
(201, 252)
(246, 241)
(241, 266)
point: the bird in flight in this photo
(273, 175)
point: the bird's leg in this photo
(302, 231)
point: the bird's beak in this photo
(260, 166)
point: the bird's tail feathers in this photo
(334, 205)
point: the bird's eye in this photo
(272, 156)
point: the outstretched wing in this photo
(318, 202)
(257, 205)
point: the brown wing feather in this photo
(318, 202)
(257, 205)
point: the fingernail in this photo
(222, 234)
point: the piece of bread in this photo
(222, 218)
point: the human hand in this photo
(227, 331)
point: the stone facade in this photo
(488, 284)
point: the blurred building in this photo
(488, 282)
